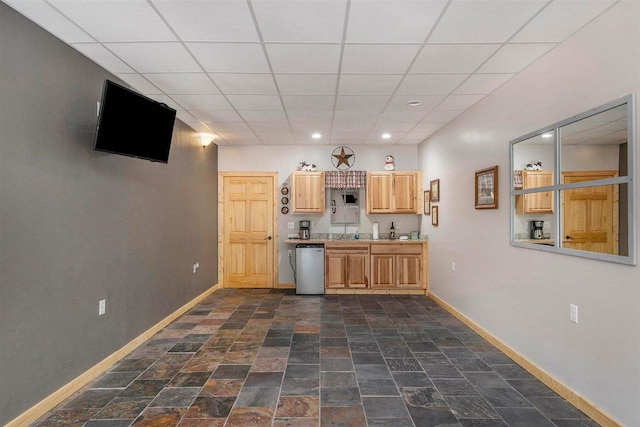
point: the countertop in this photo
(549, 242)
(352, 241)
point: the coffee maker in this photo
(536, 229)
(304, 233)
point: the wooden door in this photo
(405, 192)
(590, 215)
(358, 270)
(248, 230)
(335, 270)
(379, 192)
(382, 272)
(409, 271)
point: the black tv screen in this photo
(134, 125)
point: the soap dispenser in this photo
(392, 232)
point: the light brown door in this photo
(590, 215)
(248, 230)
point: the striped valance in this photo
(345, 179)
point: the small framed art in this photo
(434, 187)
(487, 188)
(434, 216)
(427, 202)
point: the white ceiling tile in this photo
(390, 126)
(561, 19)
(51, 20)
(304, 58)
(139, 83)
(230, 57)
(430, 84)
(441, 116)
(211, 20)
(307, 84)
(311, 128)
(202, 102)
(418, 134)
(359, 118)
(308, 102)
(217, 116)
(103, 57)
(488, 21)
(136, 20)
(309, 116)
(376, 135)
(513, 58)
(368, 84)
(412, 141)
(183, 83)
(361, 103)
(255, 102)
(300, 21)
(240, 138)
(482, 84)
(264, 116)
(245, 84)
(427, 127)
(452, 58)
(416, 17)
(155, 57)
(378, 58)
(459, 102)
(270, 127)
(228, 127)
(399, 102)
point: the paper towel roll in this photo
(375, 230)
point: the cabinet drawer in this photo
(346, 249)
(396, 248)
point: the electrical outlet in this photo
(102, 307)
(291, 225)
(290, 253)
(573, 313)
(453, 266)
(196, 266)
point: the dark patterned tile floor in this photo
(272, 358)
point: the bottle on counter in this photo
(392, 232)
(357, 235)
(375, 231)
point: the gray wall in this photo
(77, 226)
(519, 295)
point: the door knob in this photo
(268, 238)
(568, 237)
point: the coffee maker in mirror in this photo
(536, 230)
(304, 233)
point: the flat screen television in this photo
(134, 125)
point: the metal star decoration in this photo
(342, 158)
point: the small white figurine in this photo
(389, 164)
(537, 166)
(304, 166)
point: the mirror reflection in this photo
(533, 161)
(345, 207)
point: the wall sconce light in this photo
(206, 139)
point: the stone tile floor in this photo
(272, 358)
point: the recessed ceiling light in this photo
(414, 103)
(386, 135)
(316, 135)
(547, 135)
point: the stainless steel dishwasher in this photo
(310, 269)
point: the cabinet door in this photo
(409, 271)
(307, 190)
(405, 192)
(335, 270)
(382, 271)
(535, 202)
(358, 270)
(380, 192)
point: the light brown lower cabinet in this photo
(347, 267)
(396, 266)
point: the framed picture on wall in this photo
(434, 216)
(427, 202)
(487, 188)
(434, 187)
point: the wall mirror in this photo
(572, 186)
(345, 207)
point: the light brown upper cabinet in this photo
(535, 203)
(307, 190)
(394, 192)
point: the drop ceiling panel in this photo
(459, 102)
(255, 102)
(202, 102)
(430, 84)
(308, 103)
(264, 116)
(389, 126)
(230, 57)
(245, 84)
(561, 19)
(51, 20)
(183, 83)
(310, 116)
(490, 21)
(361, 103)
(217, 116)
(399, 102)
(441, 116)
(378, 58)
(155, 57)
(229, 127)
(304, 58)
(211, 20)
(417, 18)
(368, 84)
(136, 20)
(103, 57)
(300, 21)
(357, 118)
(482, 84)
(513, 58)
(452, 58)
(139, 83)
(307, 84)
(413, 115)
